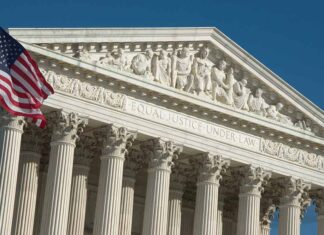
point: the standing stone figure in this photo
(218, 77)
(201, 72)
(141, 63)
(257, 104)
(241, 94)
(181, 68)
(161, 68)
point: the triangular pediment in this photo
(173, 59)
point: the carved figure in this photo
(181, 68)
(241, 95)
(302, 124)
(201, 72)
(107, 60)
(161, 68)
(257, 104)
(83, 54)
(141, 63)
(119, 60)
(273, 112)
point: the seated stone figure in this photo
(273, 112)
(115, 59)
(181, 68)
(161, 68)
(141, 63)
(241, 95)
(107, 60)
(201, 72)
(83, 54)
(257, 104)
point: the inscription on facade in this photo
(192, 124)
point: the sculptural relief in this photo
(201, 73)
(116, 59)
(257, 104)
(83, 54)
(241, 95)
(181, 69)
(161, 68)
(273, 112)
(141, 63)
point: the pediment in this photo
(173, 60)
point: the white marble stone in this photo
(11, 130)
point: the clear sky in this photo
(287, 36)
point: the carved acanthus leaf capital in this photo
(115, 141)
(33, 139)
(294, 191)
(210, 167)
(134, 161)
(253, 179)
(160, 153)
(84, 151)
(179, 175)
(319, 202)
(66, 126)
(268, 209)
(15, 122)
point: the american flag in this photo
(22, 86)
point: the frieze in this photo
(292, 154)
(193, 72)
(83, 89)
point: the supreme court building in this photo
(159, 131)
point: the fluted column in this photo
(40, 196)
(290, 206)
(320, 212)
(219, 223)
(91, 208)
(160, 154)
(114, 141)
(249, 200)
(27, 185)
(11, 129)
(228, 226)
(187, 218)
(175, 199)
(78, 198)
(133, 162)
(210, 168)
(267, 213)
(66, 127)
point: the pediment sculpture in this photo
(196, 74)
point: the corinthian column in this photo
(78, 198)
(219, 223)
(175, 199)
(133, 162)
(320, 212)
(249, 200)
(210, 169)
(66, 128)
(295, 191)
(11, 129)
(267, 213)
(160, 154)
(27, 183)
(114, 141)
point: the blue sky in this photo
(287, 36)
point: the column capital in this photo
(115, 141)
(268, 208)
(210, 167)
(134, 161)
(294, 191)
(9, 121)
(252, 179)
(32, 139)
(84, 151)
(160, 153)
(66, 126)
(178, 176)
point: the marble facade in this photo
(159, 132)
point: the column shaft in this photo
(206, 208)
(40, 200)
(109, 195)
(26, 194)
(156, 202)
(174, 217)
(228, 226)
(78, 200)
(289, 219)
(187, 220)
(265, 229)
(320, 224)
(58, 187)
(10, 142)
(126, 208)
(248, 214)
(219, 226)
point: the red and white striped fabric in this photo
(23, 88)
